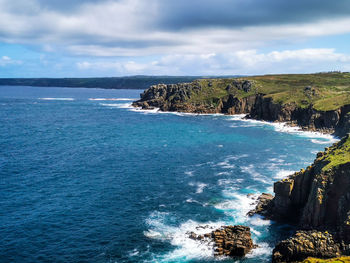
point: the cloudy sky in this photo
(89, 38)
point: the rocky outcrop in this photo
(232, 241)
(318, 200)
(179, 97)
(263, 205)
(318, 197)
(306, 244)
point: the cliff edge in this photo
(317, 200)
(316, 102)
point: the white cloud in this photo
(5, 60)
(238, 62)
(129, 28)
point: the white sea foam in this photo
(250, 169)
(134, 252)
(230, 181)
(321, 141)
(200, 186)
(222, 173)
(117, 105)
(237, 205)
(227, 162)
(284, 127)
(257, 220)
(283, 174)
(189, 173)
(226, 165)
(262, 249)
(186, 248)
(67, 99)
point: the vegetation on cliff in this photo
(317, 102)
(330, 260)
(336, 155)
(322, 91)
(317, 200)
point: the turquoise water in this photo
(96, 181)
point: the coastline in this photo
(279, 126)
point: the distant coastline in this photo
(131, 82)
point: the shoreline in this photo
(284, 127)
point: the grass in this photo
(329, 91)
(338, 154)
(331, 260)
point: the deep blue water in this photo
(95, 181)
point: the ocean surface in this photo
(84, 179)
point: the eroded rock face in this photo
(307, 244)
(232, 241)
(263, 205)
(177, 97)
(318, 197)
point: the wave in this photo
(186, 248)
(322, 141)
(263, 249)
(250, 169)
(117, 105)
(283, 174)
(67, 99)
(237, 205)
(189, 173)
(200, 186)
(258, 220)
(285, 128)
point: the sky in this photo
(99, 38)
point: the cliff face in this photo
(319, 197)
(243, 97)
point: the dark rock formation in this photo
(307, 244)
(177, 97)
(262, 206)
(233, 241)
(318, 197)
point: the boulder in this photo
(263, 205)
(306, 244)
(233, 241)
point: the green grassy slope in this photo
(325, 91)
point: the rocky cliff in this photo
(318, 197)
(317, 200)
(295, 106)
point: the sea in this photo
(85, 177)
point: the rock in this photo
(177, 97)
(233, 241)
(306, 244)
(318, 197)
(192, 235)
(262, 206)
